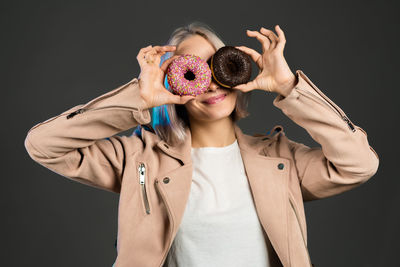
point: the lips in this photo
(214, 99)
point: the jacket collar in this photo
(182, 151)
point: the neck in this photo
(217, 133)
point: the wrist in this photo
(288, 87)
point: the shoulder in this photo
(141, 137)
(274, 142)
(273, 132)
(140, 129)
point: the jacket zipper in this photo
(333, 106)
(81, 110)
(170, 219)
(340, 112)
(142, 181)
(302, 234)
(106, 95)
(78, 111)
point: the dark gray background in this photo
(58, 54)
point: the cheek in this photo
(192, 106)
(233, 98)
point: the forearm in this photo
(80, 126)
(342, 142)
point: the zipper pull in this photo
(79, 111)
(142, 180)
(349, 123)
(141, 173)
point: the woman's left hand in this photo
(275, 74)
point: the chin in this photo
(213, 116)
(211, 112)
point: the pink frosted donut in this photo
(189, 75)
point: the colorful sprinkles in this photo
(180, 66)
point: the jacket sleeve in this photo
(79, 143)
(345, 158)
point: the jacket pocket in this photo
(142, 173)
(301, 229)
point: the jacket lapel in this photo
(268, 185)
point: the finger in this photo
(245, 87)
(187, 98)
(282, 38)
(152, 57)
(158, 51)
(167, 62)
(265, 42)
(157, 61)
(162, 50)
(177, 99)
(149, 56)
(168, 48)
(144, 50)
(140, 55)
(255, 56)
(271, 35)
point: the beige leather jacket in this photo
(153, 178)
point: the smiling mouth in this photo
(216, 99)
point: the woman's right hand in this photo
(152, 75)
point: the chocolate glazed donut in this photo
(230, 66)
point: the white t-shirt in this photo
(220, 226)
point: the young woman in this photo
(194, 189)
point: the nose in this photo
(213, 87)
